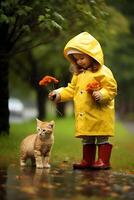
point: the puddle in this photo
(38, 184)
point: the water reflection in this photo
(63, 183)
(36, 182)
(3, 179)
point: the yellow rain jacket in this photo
(91, 118)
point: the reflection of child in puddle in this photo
(94, 112)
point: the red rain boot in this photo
(89, 151)
(104, 153)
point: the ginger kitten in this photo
(37, 147)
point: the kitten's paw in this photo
(47, 166)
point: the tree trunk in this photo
(4, 95)
(41, 99)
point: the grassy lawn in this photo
(66, 147)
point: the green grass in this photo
(67, 147)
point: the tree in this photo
(20, 23)
(124, 62)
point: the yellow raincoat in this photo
(92, 118)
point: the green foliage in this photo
(4, 19)
(24, 18)
(120, 55)
(28, 20)
(50, 20)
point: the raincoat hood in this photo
(86, 43)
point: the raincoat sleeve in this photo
(109, 88)
(67, 93)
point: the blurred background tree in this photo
(122, 59)
(32, 38)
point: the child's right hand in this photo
(97, 95)
(52, 95)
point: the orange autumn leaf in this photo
(94, 86)
(47, 79)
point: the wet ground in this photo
(63, 184)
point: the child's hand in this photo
(97, 95)
(52, 95)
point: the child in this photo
(94, 111)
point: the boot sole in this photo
(100, 168)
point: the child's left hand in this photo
(97, 95)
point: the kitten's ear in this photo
(38, 121)
(52, 123)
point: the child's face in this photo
(83, 60)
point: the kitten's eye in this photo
(44, 130)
